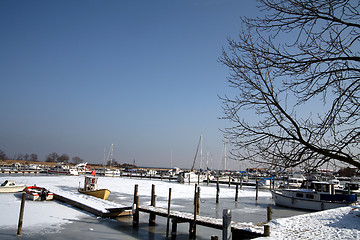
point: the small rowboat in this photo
(36, 193)
(11, 187)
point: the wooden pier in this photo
(238, 230)
(111, 212)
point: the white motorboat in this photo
(320, 196)
(63, 170)
(11, 187)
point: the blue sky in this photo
(78, 76)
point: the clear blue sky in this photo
(77, 76)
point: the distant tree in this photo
(20, 157)
(52, 157)
(33, 157)
(296, 79)
(2, 155)
(113, 162)
(26, 157)
(77, 160)
(63, 158)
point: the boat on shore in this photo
(319, 196)
(91, 188)
(36, 193)
(9, 186)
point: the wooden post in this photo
(267, 230)
(192, 230)
(217, 190)
(168, 214)
(21, 216)
(241, 182)
(229, 181)
(269, 213)
(198, 200)
(226, 231)
(173, 228)
(199, 178)
(152, 218)
(236, 192)
(207, 179)
(136, 207)
(257, 190)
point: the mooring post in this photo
(21, 216)
(207, 178)
(236, 192)
(226, 231)
(192, 224)
(198, 200)
(267, 230)
(229, 181)
(217, 190)
(269, 213)
(199, 178)
(241, 182)
(136, 207)
(173, 228)
(152, 218)
(168, 214)
(257, 189)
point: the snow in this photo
(341, 223)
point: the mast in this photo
(197, 150)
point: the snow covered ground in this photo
(342, 223)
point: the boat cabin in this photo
(90, 183)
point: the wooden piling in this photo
(269, 213)
(168, 214)
(217, 190)
(267, 230)
(21, 216)
(152, 218)
(241, 182)
(226, 231)
(257, 190)
(173, 228)
(236, 192)
(229, 181)
(192, 224)
(136, 207)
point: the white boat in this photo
(36, 193)
(190, 177)
(320, 196)
(63, 170)
(295, 182)
(10, 187)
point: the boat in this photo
(91, 188)
(11, 187)
(190, 177)
(318, 196)
(63, 169)
(36, 193)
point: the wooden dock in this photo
(239, 230)
(111, 212)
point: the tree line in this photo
(52, 157)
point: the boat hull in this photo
(37, 194)
(315, 205)
(101, 193)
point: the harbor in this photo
(247, 210)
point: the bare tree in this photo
(296, 75)
(63, 158)
(52, 157)
(2, 155)
(33, 157)
(77, 160)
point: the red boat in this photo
(38, 193)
